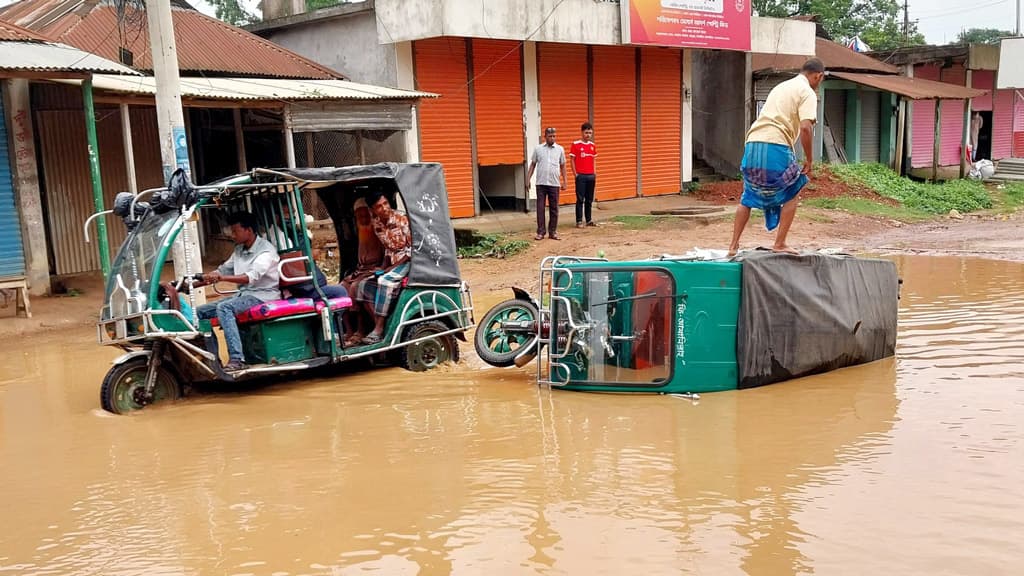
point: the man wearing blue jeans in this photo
(253, 266)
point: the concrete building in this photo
(1002, 111)
(504, 69)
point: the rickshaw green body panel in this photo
(671, 326)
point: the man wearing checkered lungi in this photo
(379, 292)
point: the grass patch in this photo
(1009, 196)
(866, 207)
(638, 222)
(817, 217)
(490, 246)
(918, 197)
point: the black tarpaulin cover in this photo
(422, 188)
(808, 314)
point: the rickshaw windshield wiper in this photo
(627, 298)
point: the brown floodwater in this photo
(906, 466)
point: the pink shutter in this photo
(1002, 124)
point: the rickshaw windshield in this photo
(136, 265)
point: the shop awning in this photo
(912, 88)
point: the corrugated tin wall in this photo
(1018, 126)
(660, 121)
(68, 188)
(12, 254)
(445, 137)
(564, 101)
(498, 98)
(1002, 124)
(984, 79)
(615, 121)
(835, 115)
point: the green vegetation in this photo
(877, 22)
(638, 222)
(489, 246)
(962, 195)
(866, 207)
(1009, 197)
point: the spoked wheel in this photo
(497, 343)
(124, 387)
(430, 353)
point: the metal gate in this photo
(12, 256)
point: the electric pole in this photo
(906, 24)
(171, 125)
(1017, 32)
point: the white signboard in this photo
(1011, 64)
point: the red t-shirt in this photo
(583, 154)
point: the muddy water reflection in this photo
(908, 466)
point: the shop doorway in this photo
(501, 188)
(985, 137)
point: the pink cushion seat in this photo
(290, 307)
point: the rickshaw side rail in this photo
(149, 329)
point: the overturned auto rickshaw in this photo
(695, 323)
(166, 345)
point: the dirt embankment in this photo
(823, 184)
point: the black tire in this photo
(426, 354)
(121, 386)
(495, 346)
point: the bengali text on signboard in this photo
(713, 24)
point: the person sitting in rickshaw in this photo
(379, 293)
(253, 266)
(370, 258)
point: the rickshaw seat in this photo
(284, 308)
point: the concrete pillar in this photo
(908, 127)
(819, 126)
(686, 121)
(531, 109)
(965, 141)
(25, 176)
(853, 116)
(407, 80)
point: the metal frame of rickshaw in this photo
(292, 186)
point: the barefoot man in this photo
(772, 178)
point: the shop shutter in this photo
(953, 132)
(562, 75)
(444, 122)
(1002, 124)
(763, 86)
(923, 122)
(12, 255)
(835, 115)
(660, 123)
(1018, 127)
(869, 126)
(615, 121)
(498, 98)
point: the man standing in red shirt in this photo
(584, 154)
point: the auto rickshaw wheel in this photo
(498, 346)
(124, 386)
(430, 353)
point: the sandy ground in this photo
(992, 236)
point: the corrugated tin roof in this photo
(50, 57)
(205, 45)
(265, 89)
(913, 88)
(11, 33)
(835, 56)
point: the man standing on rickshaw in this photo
(379, 293)
(253, 266)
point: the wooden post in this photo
(310, 155)
(901, 133)
(965, 140)
(243, 165)
(937, 144)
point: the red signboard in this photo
(718, 24)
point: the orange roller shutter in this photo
(444, 122)
(660, 128)
(564, 102)
(615, 121)
(498, 96)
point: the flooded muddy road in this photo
(906, 466)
